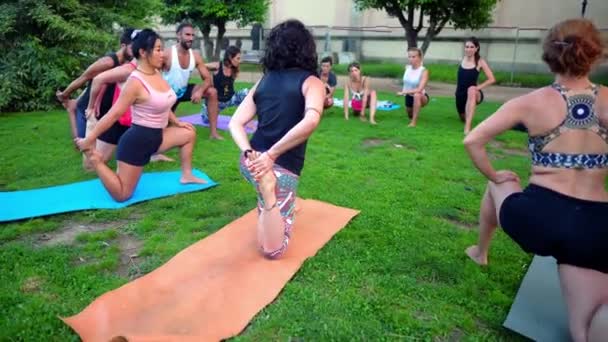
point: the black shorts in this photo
(186, 97)
(461, 100)
(138, 144)
(409, 100)
(548, 223)
(113, 134)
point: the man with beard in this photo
(178, 63)
(107, 62)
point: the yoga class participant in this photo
(363, 95)
(112, 80)
(468, 93)
(123, 55)
(415, 78)
(223, 81)
(154, 127)
(288, 101)
(329, 80)
(563, 212)
(179, 61)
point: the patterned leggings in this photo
(234, 101)
(287, 184)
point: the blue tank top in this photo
(280, 106)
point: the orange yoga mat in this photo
(212, 289)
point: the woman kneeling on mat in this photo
(415, 78)
(151, 99)
(288, 101)
(468, 93)
(563, 212)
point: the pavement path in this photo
(492, 93)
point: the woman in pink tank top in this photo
(154, 127)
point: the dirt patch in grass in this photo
(31, 285)
(128, 245)
(458, 224)
(67, 235)
(129, 256)
(511, 151)
(373, 142)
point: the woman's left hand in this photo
(262, 164)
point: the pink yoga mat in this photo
(222, 122)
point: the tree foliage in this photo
(433, 15)
(207, 13)
(46, 44)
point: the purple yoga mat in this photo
(222, 122)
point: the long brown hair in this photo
(230, 53)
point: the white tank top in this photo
(412, 77)
(176, 76)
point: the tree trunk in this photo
(207, 43)
(221, 30)
(411, 36)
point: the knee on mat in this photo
(122, 197)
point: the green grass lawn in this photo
(447, 73)
(397, 271)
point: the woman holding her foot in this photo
(563, 212)
(363, 96)
(468, 93)
(150, 98)
(288, 101)
(415, 78)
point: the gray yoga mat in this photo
(539, 311)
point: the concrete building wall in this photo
(513, 41)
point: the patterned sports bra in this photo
(580, 115)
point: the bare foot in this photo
(373, 122)
(362, 118)
(411, 125)
(216, 136)
(92, 157)
(475, 255)
(190, 178)
(160, 157)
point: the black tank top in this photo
(466, 78)
(280, 106)
(224, 85)
(107, 96)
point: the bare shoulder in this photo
(312, 82)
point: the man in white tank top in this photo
(178, 63)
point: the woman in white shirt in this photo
(414, 82)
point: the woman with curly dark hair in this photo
(288, 101)
(563, 212)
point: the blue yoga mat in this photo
(17, 205)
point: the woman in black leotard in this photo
(468, 93)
